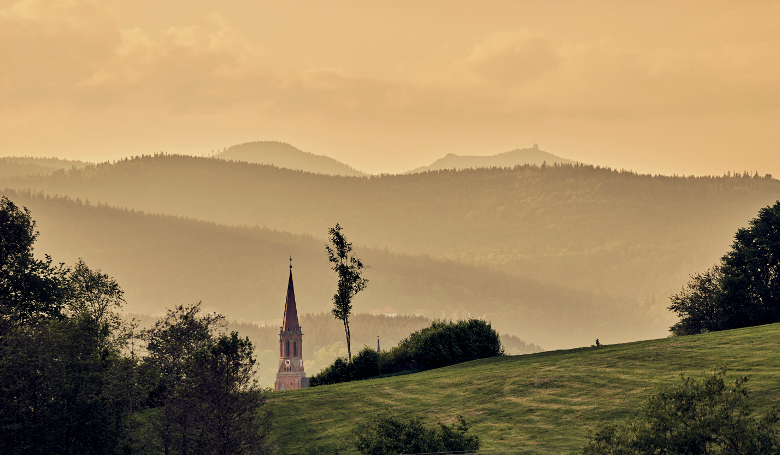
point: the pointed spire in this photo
(290, 310)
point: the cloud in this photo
(513, 57)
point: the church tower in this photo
(290, 375)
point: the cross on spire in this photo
(290, 261)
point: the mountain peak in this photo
(516, 157)
(284, 155)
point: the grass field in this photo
(537, 403)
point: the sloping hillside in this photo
(13, 166)
(286, 156)
(578, 226)
(512, 158)
(162, 261)
(542, 402)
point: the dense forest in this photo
(163, 261)
(14, 166)
(582, 226)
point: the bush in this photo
(391, 435)
(441, 344)
(707, 416)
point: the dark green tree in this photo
(349, 270)
(393, 435)
(229, 410)
(751, 273)
(29, 288)
(743, 290)
(93, 292)
(171, 345)
(693, 417)
(208, 400)
(697, 303)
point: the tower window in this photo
(295, 349)
(287, 351)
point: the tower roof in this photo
(290, 310)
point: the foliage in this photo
(697, 303)
(441, 344)
(93, 292)
(743, 290)
(29, 288)
(392, 435)
(205, 390)
(693, 417)
(58, 389)
(349, 270)
(70, 377)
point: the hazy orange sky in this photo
(662, 87)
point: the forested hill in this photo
(28, 165)
(574, 225)
(284, 155)
(163, 261)
(507, 159)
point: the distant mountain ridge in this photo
(580, 226)
(12, 166)
(162, 261)
(284, 155)
(516, 157)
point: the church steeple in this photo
(290, 374)
(290, 321)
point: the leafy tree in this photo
(209, 400)
(389, 434)
(29, 288)
(697, 303)
(93, 292)
(58, 388)
(349, 269)
(229, 411)
(693, 417)
(171, 344)
(751, 273)
(743, 290)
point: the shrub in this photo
(707, 416)
(392, 435)
(441, 344)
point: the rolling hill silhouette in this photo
(286, 156)
(11, 166)
(507, 159)
(162, 261)
(578, 226)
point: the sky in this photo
(671, 87)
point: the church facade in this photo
(290, 375)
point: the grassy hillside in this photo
(162, 261)
(507, 159)
(545, 402)
(284, 155)
(578, 226)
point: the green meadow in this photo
(542, 403)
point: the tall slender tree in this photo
(349, 270)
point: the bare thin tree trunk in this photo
(346, 329)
